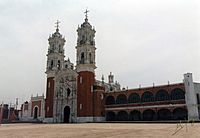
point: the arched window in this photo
(110, 100)
(164, 114)
(135, 115)
(121, 99)
(68, 92)
(59, 48)
(180, 114)
(162, 95)
(90, 58)
(58, 64)
(148, 115)
(51, 64)
(177, 94)
(122, 116)
(147, 97)
(53, 47)
(134, 98)
(82, 58)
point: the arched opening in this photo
(68, 92)
(177, 94)
(82, 58)
(135, 115)
(164, 114)
(58, 64)
(162, 95)
(66, 114)
(121, 99)
(35, 112)
(180, 114)
(147, 97)
(90, 58)
(134, 98)
(122, 116)
(51, 66)
(53, 47)
(148, 115)
(110, 100)
(110, 116)
(59, 49)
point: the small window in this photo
(81, 106)
(82, 58)
(59, 48)
(58, 64)
(49, 84)
(81, 80)
(51, 63)
(198, 99)
(90, 58)
(92, 88)
(68, 92)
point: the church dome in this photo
(86, 24)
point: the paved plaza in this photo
(100, 130)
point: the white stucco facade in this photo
(191, 90)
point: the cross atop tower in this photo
(86, 13)
(57, 25)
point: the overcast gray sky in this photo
(140, 41)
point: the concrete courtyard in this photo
(100, 130)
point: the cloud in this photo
(141, 42)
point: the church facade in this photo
(74, 95)
(72, 92)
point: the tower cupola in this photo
(86, 46)
(55, 55)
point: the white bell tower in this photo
(85, 47)
(55, 62)
(55, 55)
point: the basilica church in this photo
(74, 95)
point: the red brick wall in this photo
(84, 93)
(98, 102)
(49, 97)
(153, 90)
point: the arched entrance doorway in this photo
(35, 113)
(66, 114)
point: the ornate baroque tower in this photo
(86, 71)
(55, 62)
